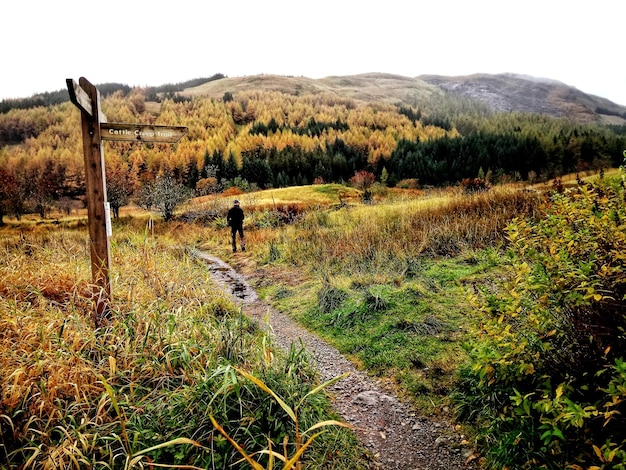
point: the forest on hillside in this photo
(263, 139)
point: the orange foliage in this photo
(232, 191)
(214, 125)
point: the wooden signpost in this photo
(87, 98)
(95, 128)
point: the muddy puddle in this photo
(232, 282)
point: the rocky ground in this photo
(395, 433)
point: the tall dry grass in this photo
(55, 367)
(72, 396)
(388, 235)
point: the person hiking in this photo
(235, 222)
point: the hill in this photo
(512, 92)
(371, 87)
(501, 93)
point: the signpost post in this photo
(95, 128)
(87, 98)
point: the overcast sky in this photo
(150, 43)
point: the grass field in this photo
(385, 282)
(144, 387)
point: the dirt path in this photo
(397, 436)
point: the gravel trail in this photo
(395, 433)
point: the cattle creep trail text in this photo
(141, 132)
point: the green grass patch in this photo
(411, 332)
(388, 284)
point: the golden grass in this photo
(385, 236)
(54, 364)
(301, 196)
(52, 360)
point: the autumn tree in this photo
(46, 185)
(300, 138)
(17, 190)
(118, 192)
(363, 179)
(165, 194)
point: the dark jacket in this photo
(235, 217)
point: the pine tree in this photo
(217, 160)
(384, 176)
(206, 161)
(231, 169)
(192, 175)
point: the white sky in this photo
(150, 43)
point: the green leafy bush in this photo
(547, 380)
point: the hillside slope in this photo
(512, 92)
(502, 92)
(371, 87)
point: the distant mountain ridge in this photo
(505, 92)
(500, 92)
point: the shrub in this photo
(232, 191)
(208, 185)
(409, 183)
(330, 297)
(550, 361)
(362, 179)
(475, 185)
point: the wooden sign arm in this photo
(81, 99)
